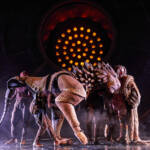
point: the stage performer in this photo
(21, 107)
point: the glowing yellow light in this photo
(100, 45)
(93, 46)
(57, 47)
(57, 54)
(86, 37)
(81, 28)
(66, 42)
(88, 30)
(84, 44)
(71, 61)
(86, 49)
(79, 56)
(76, 63)
(71, 49)
(91, 41)
(87, 60)
(78, 42)
(59, 60)
(69, 69)
(82, 63)
(67, 57)
(70, 37)
(84, 54)
(59, 41)
(98, 58)
(93, 52)
(73, 55)
(73, 44)
(64, 47)
(63, 35)
(63, 65)
(100, 52)
(94, 34)
(81, 35)
(91, 57)
(78, 49)
(64, 53)
(98, 39)
(76, 36)
(75, 29)
(68, 30)
(95, 64)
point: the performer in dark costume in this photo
(38, 108)
(23, 98)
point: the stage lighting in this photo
(67, 57)
(73, 55)
(64, 53)
(81, 28)
(78, 49)
(66, 42)
(86, 49)
(76, 63)
(79, 56)
(81, 35)
(93, 52)
(70, 37)
(84, 44)
(69, 68)
(98, 58)
(71, 61)
(88, 30)
(91, 57)
(73, 44)
(100, 45)
(68, 30)
(76, 36)
(94, 34)
(59, 60)
(91, 41)
(86, 37)
(59, 41)
(57, 47)
(87, 60)
(71, 49)
(84, 54)
(82, 63)
(75, 29)
(78, 42)
(98, 39)
(93, 46)
(100, 52)
(65, 47)
(63, 65)
(57, 54)
(63, 35)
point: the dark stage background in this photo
(19, 47)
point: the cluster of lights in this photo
(78, 45)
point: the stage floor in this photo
(76, 146)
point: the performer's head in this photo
(23, 75)
(121, 71)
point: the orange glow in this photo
(70, 37)
(76, 36)
(86, 37)
(81, 35)
(100, 45)
(71, 61)
(79, 56)
(57, 47)
(73, 44)
(98, 58)
(84, 54)
(71, 49)
(66, 42)
(75, 29)
(93, 46)
(99, 39)
(87, 60)
(59, 40)
(82, 63)
(59, 60)
(64, 53)
(91, 41)
(63, 65)
(100, 52)
(78, 49)
(67, 57)
(78, 42)
(63, 35)
(95, 64)
(91, 57)
(57, 54)
(73, 55)
(76, 63)
(86, 49)
(94, 34)
(93, 52)
(88, 30)
(68, 30)
(84, 44)
(81, 28)
(64, 47)
(69, 69)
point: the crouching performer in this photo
(68, 92)
(38, 109)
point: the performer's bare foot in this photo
(82, 138)
(63, 141)
(11, 141)
(23, 142)
(37, 144)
